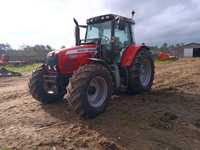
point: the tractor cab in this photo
(111, 32)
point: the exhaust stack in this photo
(77, 32)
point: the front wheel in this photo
(89, 90)
(37, 89)
(141, 72)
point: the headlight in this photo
(50, 54)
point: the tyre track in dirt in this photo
(166, 118)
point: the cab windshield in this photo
(99, 31)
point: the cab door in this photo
(122, 39)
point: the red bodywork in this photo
(129, 55)
(71, 59)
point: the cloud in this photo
(162, 21)
(50, 21)
(43, 22)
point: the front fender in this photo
(129, 54)
(100, 61)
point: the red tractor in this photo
(106, 62)
(4, 59)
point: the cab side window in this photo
(122, 35)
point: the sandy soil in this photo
(167, 118)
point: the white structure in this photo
(188, 52)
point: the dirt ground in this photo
(167, 118)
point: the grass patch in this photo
(164, 61)
(5, 148)
(22, 68)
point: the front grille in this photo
(50, 78)
(52, 62)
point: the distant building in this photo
(188, 50)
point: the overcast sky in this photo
(50, 21)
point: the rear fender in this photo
(130, 53)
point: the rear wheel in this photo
(141, 72)
(37, 90)
(89, 89)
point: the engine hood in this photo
(75, 50)
(69, 59)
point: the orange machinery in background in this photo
(166, 56)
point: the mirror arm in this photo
(83, 26)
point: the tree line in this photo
(37, 53)
(165, 47)
(29, 54)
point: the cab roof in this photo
(108, 17)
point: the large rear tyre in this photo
(89, 90)
(37, 90)
(141, 72)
